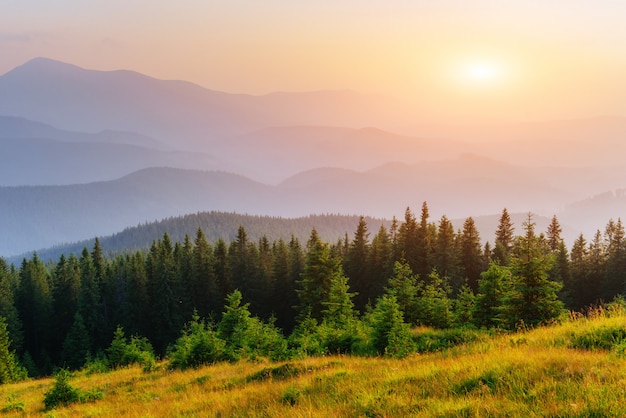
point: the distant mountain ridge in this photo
(69, 97)
(217, 225)
(109, 149)
(42, 216)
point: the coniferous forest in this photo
(199, 302)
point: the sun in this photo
(481, 72)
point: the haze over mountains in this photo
(87, 153)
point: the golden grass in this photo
(525, 374)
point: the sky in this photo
(478, 59)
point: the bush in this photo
(306, 340)
(198, 346)
(62, 393)
(123, 352)
(390, 334)
(437, 340)
(600, 338)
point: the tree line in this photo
(355, 295)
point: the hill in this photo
(543, 372)
(177, 112)
(217, 225)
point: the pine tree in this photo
(319, 269)
(391, 336)
(355, 264)
(493, 288)
(35, 310)
(166, 320)
(615, 273)
(445, 254)
(408, 244)
(89, 301)
(533, 299)
(504, 239)
(8, 308)
(554, 235)
(579, 273)
(379, 266)
(76, 345)
(434, 307)
(136, 309)
(338, 309)
(10, 370)
(234, 325)
(204, 292)
(403, 286)
(471, 256)
(66, 291)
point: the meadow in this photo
(576, 368)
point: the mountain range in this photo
(88, 153)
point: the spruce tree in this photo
(356, 266)
(404, 287)
(533, 299)
(10, 370)
(493, 288)
(319, 269)
(504, 239)
(471, 256)
(76, 345)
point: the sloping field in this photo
(574, 369)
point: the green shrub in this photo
(62, 393)
(282, 372)
(390, 335)
(13, 405)
(199, 345)
(306, 340)
(437, 340)
(124, 352)
(291, 396)
(600, 338)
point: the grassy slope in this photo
(525, 374)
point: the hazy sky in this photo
(527, 59)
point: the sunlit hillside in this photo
(573, 369)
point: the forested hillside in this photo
(215, 225)
(355, 295)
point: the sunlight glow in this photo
(482, 72)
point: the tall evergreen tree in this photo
(338, 308)
(136, 309)
(493, 288)
(445, 254)
(408, 244)
(426, 234)
(8, 308)
(76, 345)
(471, 256)
(554, 235)
(615, 273)
(204, 292)
(89, 301)
(165, 310)
(35, 310)
(319, 270)
(503, 243)
(596, 269)
(533, 298)
(66, 292)
(579, 273)
(379, 263)
(10, 370)
(355, 264)
(404, 287)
